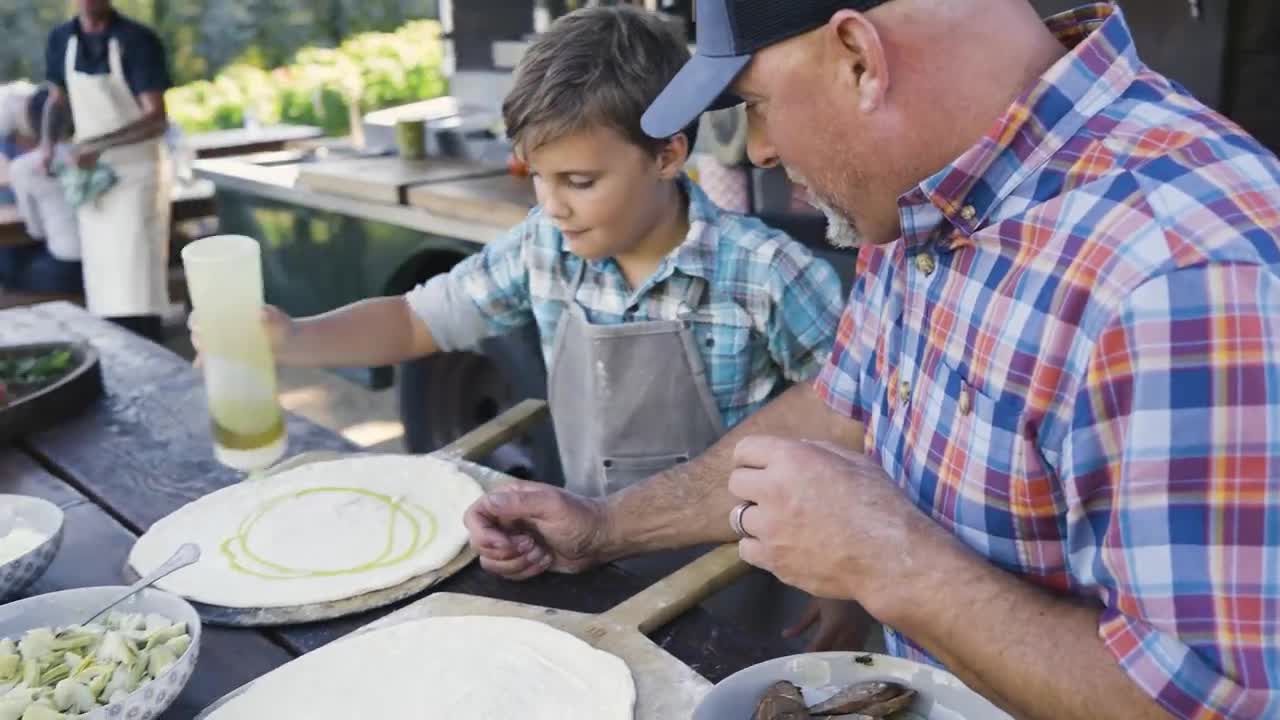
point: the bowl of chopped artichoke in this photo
(129, 663)
(30, 535)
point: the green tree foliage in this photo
(299, 61)
(374, 69)
(204, 36)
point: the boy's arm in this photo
(379, 331)
(485, 295)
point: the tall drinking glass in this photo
(224, 278)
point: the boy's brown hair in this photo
(595, 67)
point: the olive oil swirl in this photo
(237, 545)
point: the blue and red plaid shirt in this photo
(1071, 359)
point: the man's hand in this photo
(84, 157)
(841, 625)
(527, 528)
(826, 520)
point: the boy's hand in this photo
(841, 625)
(280, 329)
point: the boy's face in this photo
(604, 193)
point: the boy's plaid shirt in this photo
(763, 310)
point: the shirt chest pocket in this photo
(973, 464)
(725, 338)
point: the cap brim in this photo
(700, 85)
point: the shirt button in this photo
(968, 212)
(904, 391)
(926, 264)
(966, 405)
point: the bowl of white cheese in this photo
(30, 535)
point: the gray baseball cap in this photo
(729, 33)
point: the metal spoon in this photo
(186, 555)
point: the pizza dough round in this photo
(317, 533)
(477, 667)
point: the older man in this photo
(1046, 449)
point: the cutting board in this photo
(503, 200)
(666, 689)
(476, 444)
(385, 179)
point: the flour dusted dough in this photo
(478, 668)
(320, 531)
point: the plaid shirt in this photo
(1071, 360)
(763, 309)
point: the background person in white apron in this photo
(113, 72)
(51, 266)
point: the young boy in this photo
(664, 321)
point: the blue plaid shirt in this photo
(767, 316)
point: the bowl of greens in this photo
(131, 663)
(30, 535)
(44, 384)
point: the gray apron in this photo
(631, 400)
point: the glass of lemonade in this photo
(224, 279)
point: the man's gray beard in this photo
(841, 232)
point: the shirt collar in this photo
(1101, 65)
(696, 255)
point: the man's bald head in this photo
(870, 104)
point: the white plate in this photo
(940, 695)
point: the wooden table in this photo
(502, 200)
(143, 451)
(243, 141)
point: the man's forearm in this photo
(380, 331)
(1037, 655)
(149, 126)
(48, 119)
(690, 503)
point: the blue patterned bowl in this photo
(69, 607)
(41, 516)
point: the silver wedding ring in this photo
(735, 519)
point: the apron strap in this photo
(693, 294)
(115, 59)
(69, 57)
